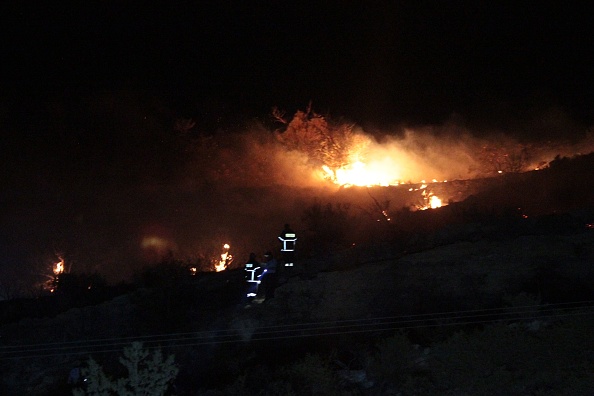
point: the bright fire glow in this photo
(430, 201)
(369, 166)
(434, 202)
(59, 266)
(360, 174)
(225, 260)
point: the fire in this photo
(366, 167)
(434, 202)
(59, 266)
(360, 174)
(430, 200)
(51, 282)
(225, 260)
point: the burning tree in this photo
(334, 145)
(225, 260)
(53, 279)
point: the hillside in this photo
(464, 299)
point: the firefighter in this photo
(288, 240)
(269, 275)
(74, 377)
(252, 270)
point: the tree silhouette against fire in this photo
(325, 142)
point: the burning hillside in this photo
(311, 150)
(196, 190)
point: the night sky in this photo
(86, 90)
(401, 60)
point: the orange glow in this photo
(430, 201)
(59, 266)
(155, 245)
(434, 202)
(369, 165)
(225, 260)
(361, 174)
(154, 242)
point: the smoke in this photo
(420, 154)
(253, 155)
(241, 186)
(141, 191)
(453, 152)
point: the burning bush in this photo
(334, 145)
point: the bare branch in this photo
(279, 115)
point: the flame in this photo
(382, 170)
(51, 282)
(225, 260)
(59, 266)
(434, 202)
(430, 200)
(360, 174)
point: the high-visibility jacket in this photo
(252, 270)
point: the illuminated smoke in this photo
(193, 189)
(438, 154)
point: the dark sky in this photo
(89, 90)
(371, 61)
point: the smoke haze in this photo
(114, 184)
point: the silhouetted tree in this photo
(497, 158)
(325, 142)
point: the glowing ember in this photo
(225, 260)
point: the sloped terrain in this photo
(433, 275)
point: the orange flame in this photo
(359, 174)
(225, 260)
(59, 266)
(430, 200)
(434, 202)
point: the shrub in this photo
(394, 360)
(147, 375)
